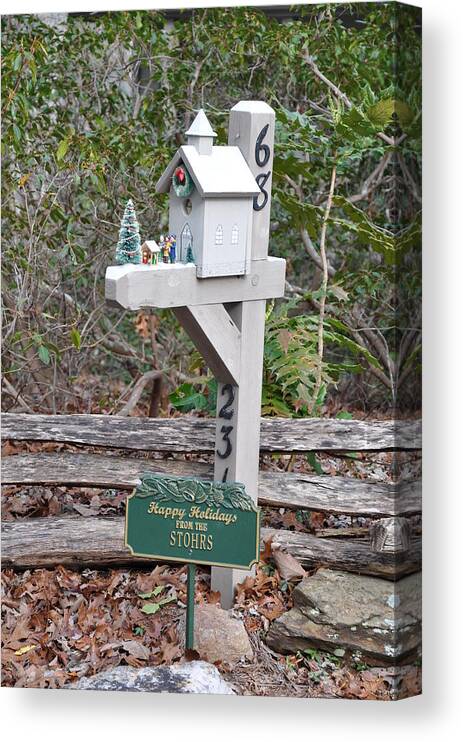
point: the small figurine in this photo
(164, 245)
(172, 247)
(150, 252)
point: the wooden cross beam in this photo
(216, 337)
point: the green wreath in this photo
(182, 182)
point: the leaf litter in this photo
(60, 625)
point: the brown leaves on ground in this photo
(42, 501)
(263, 595)
(59, 625)
(378, 684)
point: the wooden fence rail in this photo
(98, 541)
(190, 434)
(321, 493)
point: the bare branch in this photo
(312, 253)
(324, 287)
(9, 389)
(137, 392)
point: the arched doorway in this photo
(186, 241)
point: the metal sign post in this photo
(190, 607)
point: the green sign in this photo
(193, 520)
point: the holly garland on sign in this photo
(128, 248)
(182, 182)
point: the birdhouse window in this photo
(234, 235)
(219, 235)
(187, 207)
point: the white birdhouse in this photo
(211, 191)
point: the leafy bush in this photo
(93, 107)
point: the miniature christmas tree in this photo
(190, 258)
(128, 248)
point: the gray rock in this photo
(188, 677)
(219, 636)
(369, 616)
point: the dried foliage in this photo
(93, 107)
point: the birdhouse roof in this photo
(224, 172)
(152, 245)
(201, 126)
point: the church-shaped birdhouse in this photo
(211, 191)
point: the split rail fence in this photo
(390, 549)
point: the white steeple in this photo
(200, 134)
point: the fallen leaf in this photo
(136, 649)
(266, 553)
(141, 323)
(291, 521)
(288, 566)
(153, 593)
(150, 608)
(191, 655)
(317, 520)
(284, 338)
(25, 649)
(170, 652)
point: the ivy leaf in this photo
(17, 62)
(381, 113)
(150, 608)
(75, 338)
(62, 149)
(314, 463)
(344, 415)
(186, 398)
(44, 354)
(153, 593)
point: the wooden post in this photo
(251, 128)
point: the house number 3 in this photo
(262, 156)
